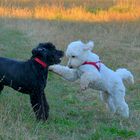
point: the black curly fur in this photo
(30, 77)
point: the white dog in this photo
(86, 65)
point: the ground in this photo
(73, 115)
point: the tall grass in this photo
(119, 11)
(73, 115)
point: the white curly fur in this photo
(108, 82)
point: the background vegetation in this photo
(79, 10)
(73, 115)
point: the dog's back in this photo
(15, 73)
(6, 65)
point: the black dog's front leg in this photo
(1, 87)
(40, 106)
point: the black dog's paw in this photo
(1, 88)
(42, 117)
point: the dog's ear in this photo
(89, 46)
(37, 51)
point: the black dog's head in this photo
(47, 53)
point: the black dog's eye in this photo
(41, 49)
(73, 56)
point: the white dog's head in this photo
(77, 52)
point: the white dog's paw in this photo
(51, 68)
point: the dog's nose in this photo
(70, 67)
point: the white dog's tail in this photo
(126, 75)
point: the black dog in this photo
(30, 77)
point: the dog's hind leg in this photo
(111, 104)
(103, 96)
(108, 100)
(1, 88)
(40, 106)
(120, 103)
(122, 107)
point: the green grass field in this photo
(73, 115)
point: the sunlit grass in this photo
(121, 11)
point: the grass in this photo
(73, 115)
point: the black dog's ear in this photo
(47, 45)
(37, 51)
(40, 48)
(34, 51)
(41, 45)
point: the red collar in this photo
(93, 64)
(43, 64)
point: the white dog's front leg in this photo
(65, 72)
(87, 78)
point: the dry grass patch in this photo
(74, 11)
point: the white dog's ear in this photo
(89, 46)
